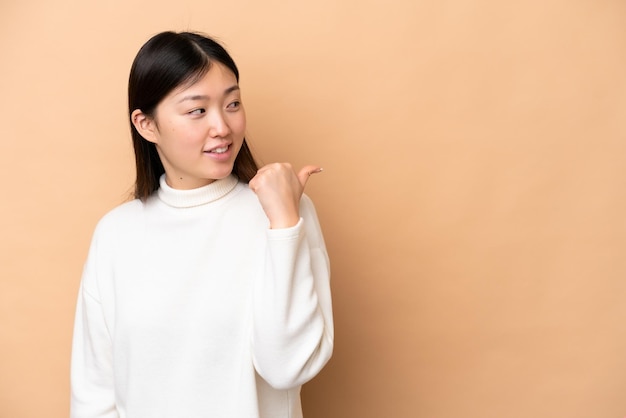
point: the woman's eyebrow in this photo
(231, 89)
(205, 97)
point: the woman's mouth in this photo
(219, 150)
(219, 153)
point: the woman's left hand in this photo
(279, 190)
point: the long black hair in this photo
(165, 62)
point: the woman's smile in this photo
(220, 153)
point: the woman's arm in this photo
(293, 325)
(92, 387)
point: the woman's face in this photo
(198, 129)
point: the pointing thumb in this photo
(306, 171)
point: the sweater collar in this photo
(195, 197)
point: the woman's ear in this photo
(145, 125)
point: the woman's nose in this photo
(218, 127)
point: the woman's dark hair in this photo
(165, 62)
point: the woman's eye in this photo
(234, 105)
(197, 112)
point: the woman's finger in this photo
(306, 171)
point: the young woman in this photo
(208, 295)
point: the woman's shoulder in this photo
(125, 210)
(120, 217)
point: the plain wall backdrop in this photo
(473, 198)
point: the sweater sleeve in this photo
(293, 325)
(92, 389)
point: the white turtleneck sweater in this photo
(190, 307)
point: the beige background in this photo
(473, 199)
